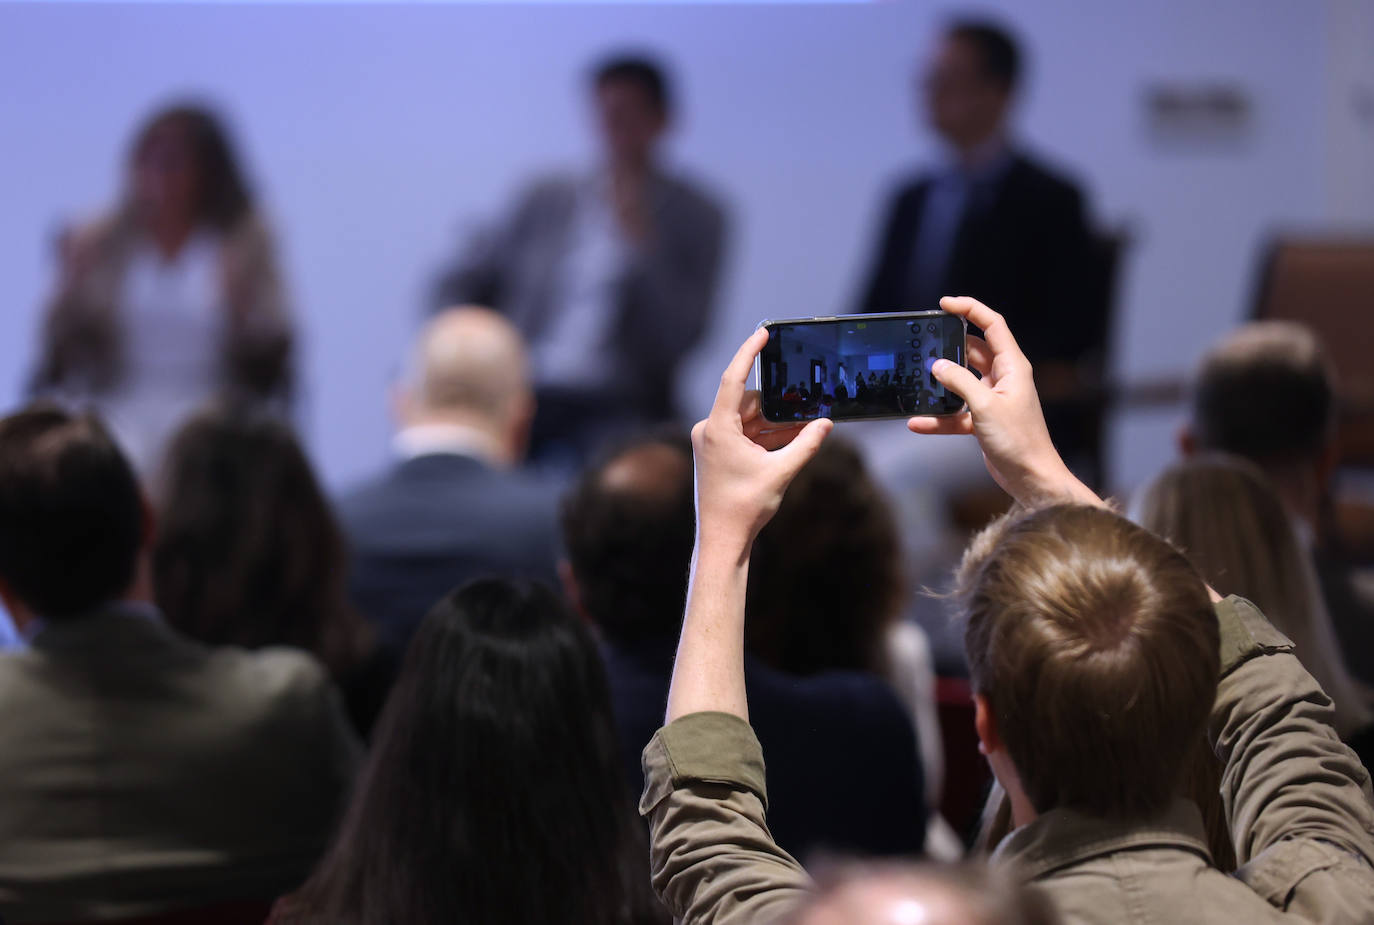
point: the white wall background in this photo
(378, 132)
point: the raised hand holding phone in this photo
(1003, 412)
(743, 466)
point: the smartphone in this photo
(859, 367)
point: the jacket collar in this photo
(1064, 837)
(108, 626)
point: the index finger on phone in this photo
(979, 355)
(995, 331)
(961, 424)
(735, 379)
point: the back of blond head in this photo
(1096, 647)
(1226, 516)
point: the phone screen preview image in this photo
(859, 367)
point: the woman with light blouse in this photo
(172, 297)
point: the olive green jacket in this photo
(1298, 802)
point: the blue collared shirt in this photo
(943, 212)
(9, 635)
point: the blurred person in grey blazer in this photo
(140, 772)
(610, 274)
(456, 504)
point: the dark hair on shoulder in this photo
(629, 540)
(825, 578)
(996, 45)
(493, 792)
(224, 196)
(71, 512)
(248, 551)
(641, 70)
(1264, 372)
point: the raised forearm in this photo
(708, 675)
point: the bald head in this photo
(924, 894)
(468, 362)
(653, 474)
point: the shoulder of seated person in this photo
(551, 184)
(866, 695)
(1040, 174)
(272, 673)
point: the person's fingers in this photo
(959, 424)
(807, 442)
(730, 395)
(776, 438)
(993, 325)
(979, 355)
(751, 408)
(757, 428)
(961, 382)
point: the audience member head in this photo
(248, 552)
(633, 106)
(628, 527)
(493, 791)
(182, 171)
(469, 368)
(928, 894)
(825, 578)
(1227, 518)
(1266, 393)
(73, 524)
(971, 81)
(1094, 654)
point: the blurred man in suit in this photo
(991, 222)
(456, 505)
(610, 274)
(139, 771)
(628, 528)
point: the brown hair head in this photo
(1264, 372)
(248, 551)
(825, 578)
(1096, 647)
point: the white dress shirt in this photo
(171, 315)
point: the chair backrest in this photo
(239, 912)
(1327, 283)
(967, 776)
(1107, 250)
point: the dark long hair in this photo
(248, 551)
(835, 528)
(493, 792)
(223, 194)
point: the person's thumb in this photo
(961, 381)
(805, 445)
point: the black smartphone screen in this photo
(857, 367)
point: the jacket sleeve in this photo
(261, 332)
(670, 282)
(888, 262)
(478, 274)
(1297, 800)
(712, 857)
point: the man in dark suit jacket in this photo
(611, 275)
(994, 224)
(628, 529)
(140, 772)
(455, 506)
